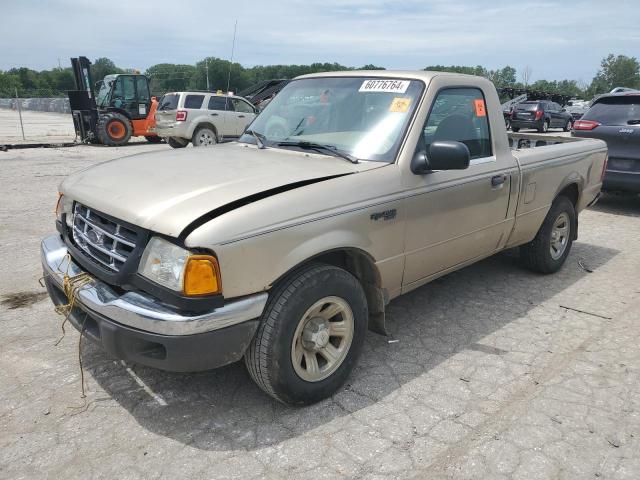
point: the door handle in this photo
(498, 180)
(214, 114)
(241, 116)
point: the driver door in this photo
(124, 95)
(454, 216)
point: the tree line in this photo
(615, 71)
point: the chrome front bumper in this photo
(140, 310)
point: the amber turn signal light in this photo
(202, 275)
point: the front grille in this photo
(105, 241)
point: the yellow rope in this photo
(71, 286)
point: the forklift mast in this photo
(82, 74)
(82, 100)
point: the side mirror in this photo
(563, 110)
(441, 155)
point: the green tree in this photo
(616, 71)
(103, 67)
(370, 66)
(477, 70)
(169, 77)
(8, 83)
(502, 77)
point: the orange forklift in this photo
(122, 108)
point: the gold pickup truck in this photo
(285, 247)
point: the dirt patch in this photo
(22, 299)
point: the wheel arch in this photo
(362, 266)
(118, 110)
(571, 191)
(199, 125)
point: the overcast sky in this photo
(565, 39)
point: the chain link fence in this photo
(35, 116)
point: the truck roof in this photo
(423, 75)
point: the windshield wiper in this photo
(320, 148)
(260, 138)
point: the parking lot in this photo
(490, 372)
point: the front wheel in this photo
(547, 252)
(114, 129)
(310, 335)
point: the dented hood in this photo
(166, 191)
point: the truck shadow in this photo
(224, 410)
(628, 205)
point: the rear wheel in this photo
(547, 252)
(177, 142)
(204, 137)
(568, 125)
(153, 138)
(310, 335)
(114, 129)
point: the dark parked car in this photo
(541, 115)
(615, 118)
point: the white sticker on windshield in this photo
(388, 86)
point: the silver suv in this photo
(202, 118)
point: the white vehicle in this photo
(202, 118)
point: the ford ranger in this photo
(284, 248)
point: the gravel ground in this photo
(38, 127)
(490, 372)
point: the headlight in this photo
(178, 269)
(64, 207)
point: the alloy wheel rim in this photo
(560, 236)
(322, 339)
(206, 138)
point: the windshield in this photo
(361, 116)
(105, 88)
(615, 110)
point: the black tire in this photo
(537, 254)
(544, 128)
(177, 142)
(153, 138)
(568, 126)
(269, 356)
(114, 129)
(204, 137)
(515, 129)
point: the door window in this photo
(193, 101)
(143, 89)
(460, 114)
(242, 106)
(217, 103)
(129, 88)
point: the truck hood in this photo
(166, 191)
